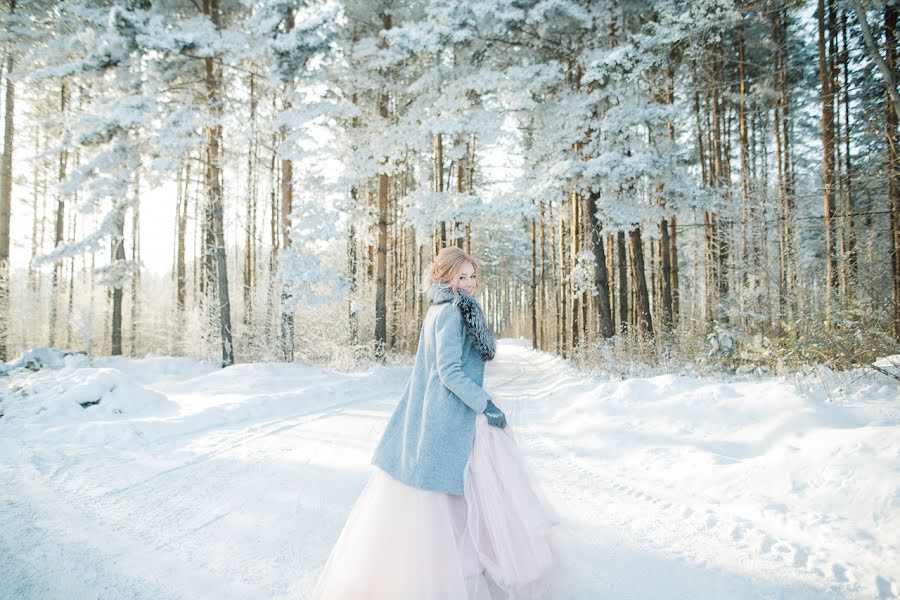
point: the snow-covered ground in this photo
(187, 481)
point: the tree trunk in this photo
(623, 281)
(604, 312)
(564, 289)
(136, 261)
(438, 144)
(781, 124)
(249, 270)
(214, 190)
(827, 163)
(6, 201)
(60, 226)
(839, 223)
(287, 205)
(673, 258)
(70, 304)
(117, 257)
(534, 318)
(352, 261)
(574, 295)
(850, 235)
(719, 236)
(890, 42)
(888, 69)
(462, 180)
(665, 255)
(747, 252)
(543, 305)
(642, 308)
(381, 250)
(182, 216)
(36, 222)
(274, 237)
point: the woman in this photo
(449, 501)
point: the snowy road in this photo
(191, 482)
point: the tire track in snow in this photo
(63, 554)
(255, 433)
(588, 493)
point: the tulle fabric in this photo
(404, 543)
(508, 521)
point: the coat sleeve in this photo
(449, 341)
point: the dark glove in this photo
(494, 415)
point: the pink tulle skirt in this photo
(405, 543)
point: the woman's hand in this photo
(494, 415)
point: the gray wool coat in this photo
(427, 441)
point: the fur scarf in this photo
(472, 315)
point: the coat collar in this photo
(472, 315)
(439, 293)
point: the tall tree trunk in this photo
(787, 132)
(274, 237)
(544, 303)
(848, 171)
(890, 43)
(645, 322)
(720, 235)
(840, 222)
(36, 222)
(439, 184)
(669, 245)
(287, 205)
(574, 295)
(182, 216)
(673, 258)
(249, 270)
(60, 225)
(747, 252)
(352, 257)
(827, 163)
(782, 128)
(666, 259)
(70, 303)
(623, 281)
(213, 82)
(463, 168)
(6, 200)
(381, 250)
(117, 257)
(534, 317)
(352, 314)
(136, 261)
(564, 289)
(604, 312)
(888, 69)
(710, 264)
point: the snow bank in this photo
(83, 394)
(61, 395)
(41, 358)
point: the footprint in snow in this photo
(801, 556)
(885, 587)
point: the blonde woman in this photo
(448, 513)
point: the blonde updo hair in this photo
(446, 266)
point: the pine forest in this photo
(667, 183)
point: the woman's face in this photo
(466, 279)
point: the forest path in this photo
(666, 488)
